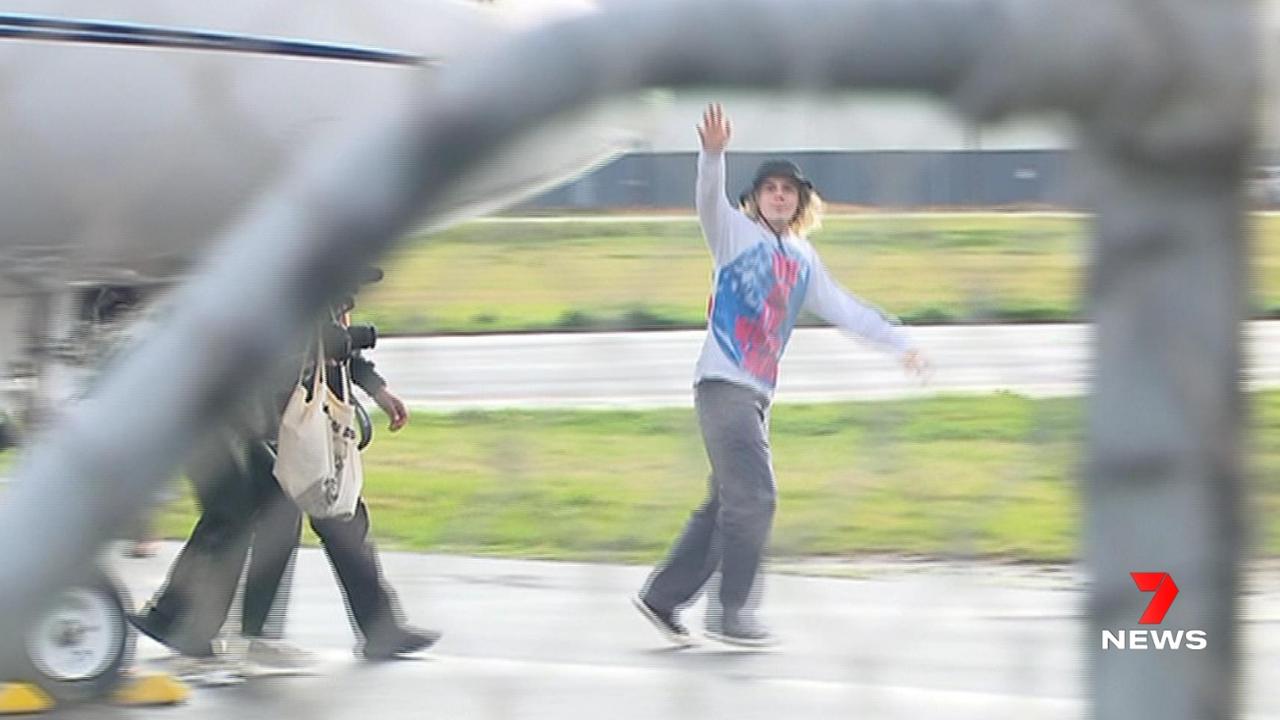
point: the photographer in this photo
(242, 505)
(370, 600)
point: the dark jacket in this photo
(256, 418)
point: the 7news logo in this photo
(1165, 590)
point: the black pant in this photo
(370, 600)
(241, 504)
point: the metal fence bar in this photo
(1167, 292)
(1163, 470)
(1163, 93)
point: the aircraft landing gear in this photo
(81, 645)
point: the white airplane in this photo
(134, 131)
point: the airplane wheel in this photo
(80, 646)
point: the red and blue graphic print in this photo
(756, 301)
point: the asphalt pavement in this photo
(655, 369)
(530, 639)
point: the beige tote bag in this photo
(318, 464)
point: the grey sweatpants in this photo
(729, 531)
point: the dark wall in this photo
(906, 179)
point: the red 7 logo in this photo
(1165, 591)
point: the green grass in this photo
(951, 476)
(498, 277)
(491, 277)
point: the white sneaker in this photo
(206, 671)
(279, 657)
(740, 631)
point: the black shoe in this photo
(737, 630)
(149, 624)
(665, 621)
(399, 643)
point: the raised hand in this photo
(715, 130)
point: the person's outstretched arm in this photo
(833, 303)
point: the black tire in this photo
(80, 647)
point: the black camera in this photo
(363, 337)
(340, 342)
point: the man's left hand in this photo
(393, 407)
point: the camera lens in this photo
(363, 337)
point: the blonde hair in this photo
(808, 217)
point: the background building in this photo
(879, 151)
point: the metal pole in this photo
(1163, 470)
(1165, 108)
(1167, 291)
